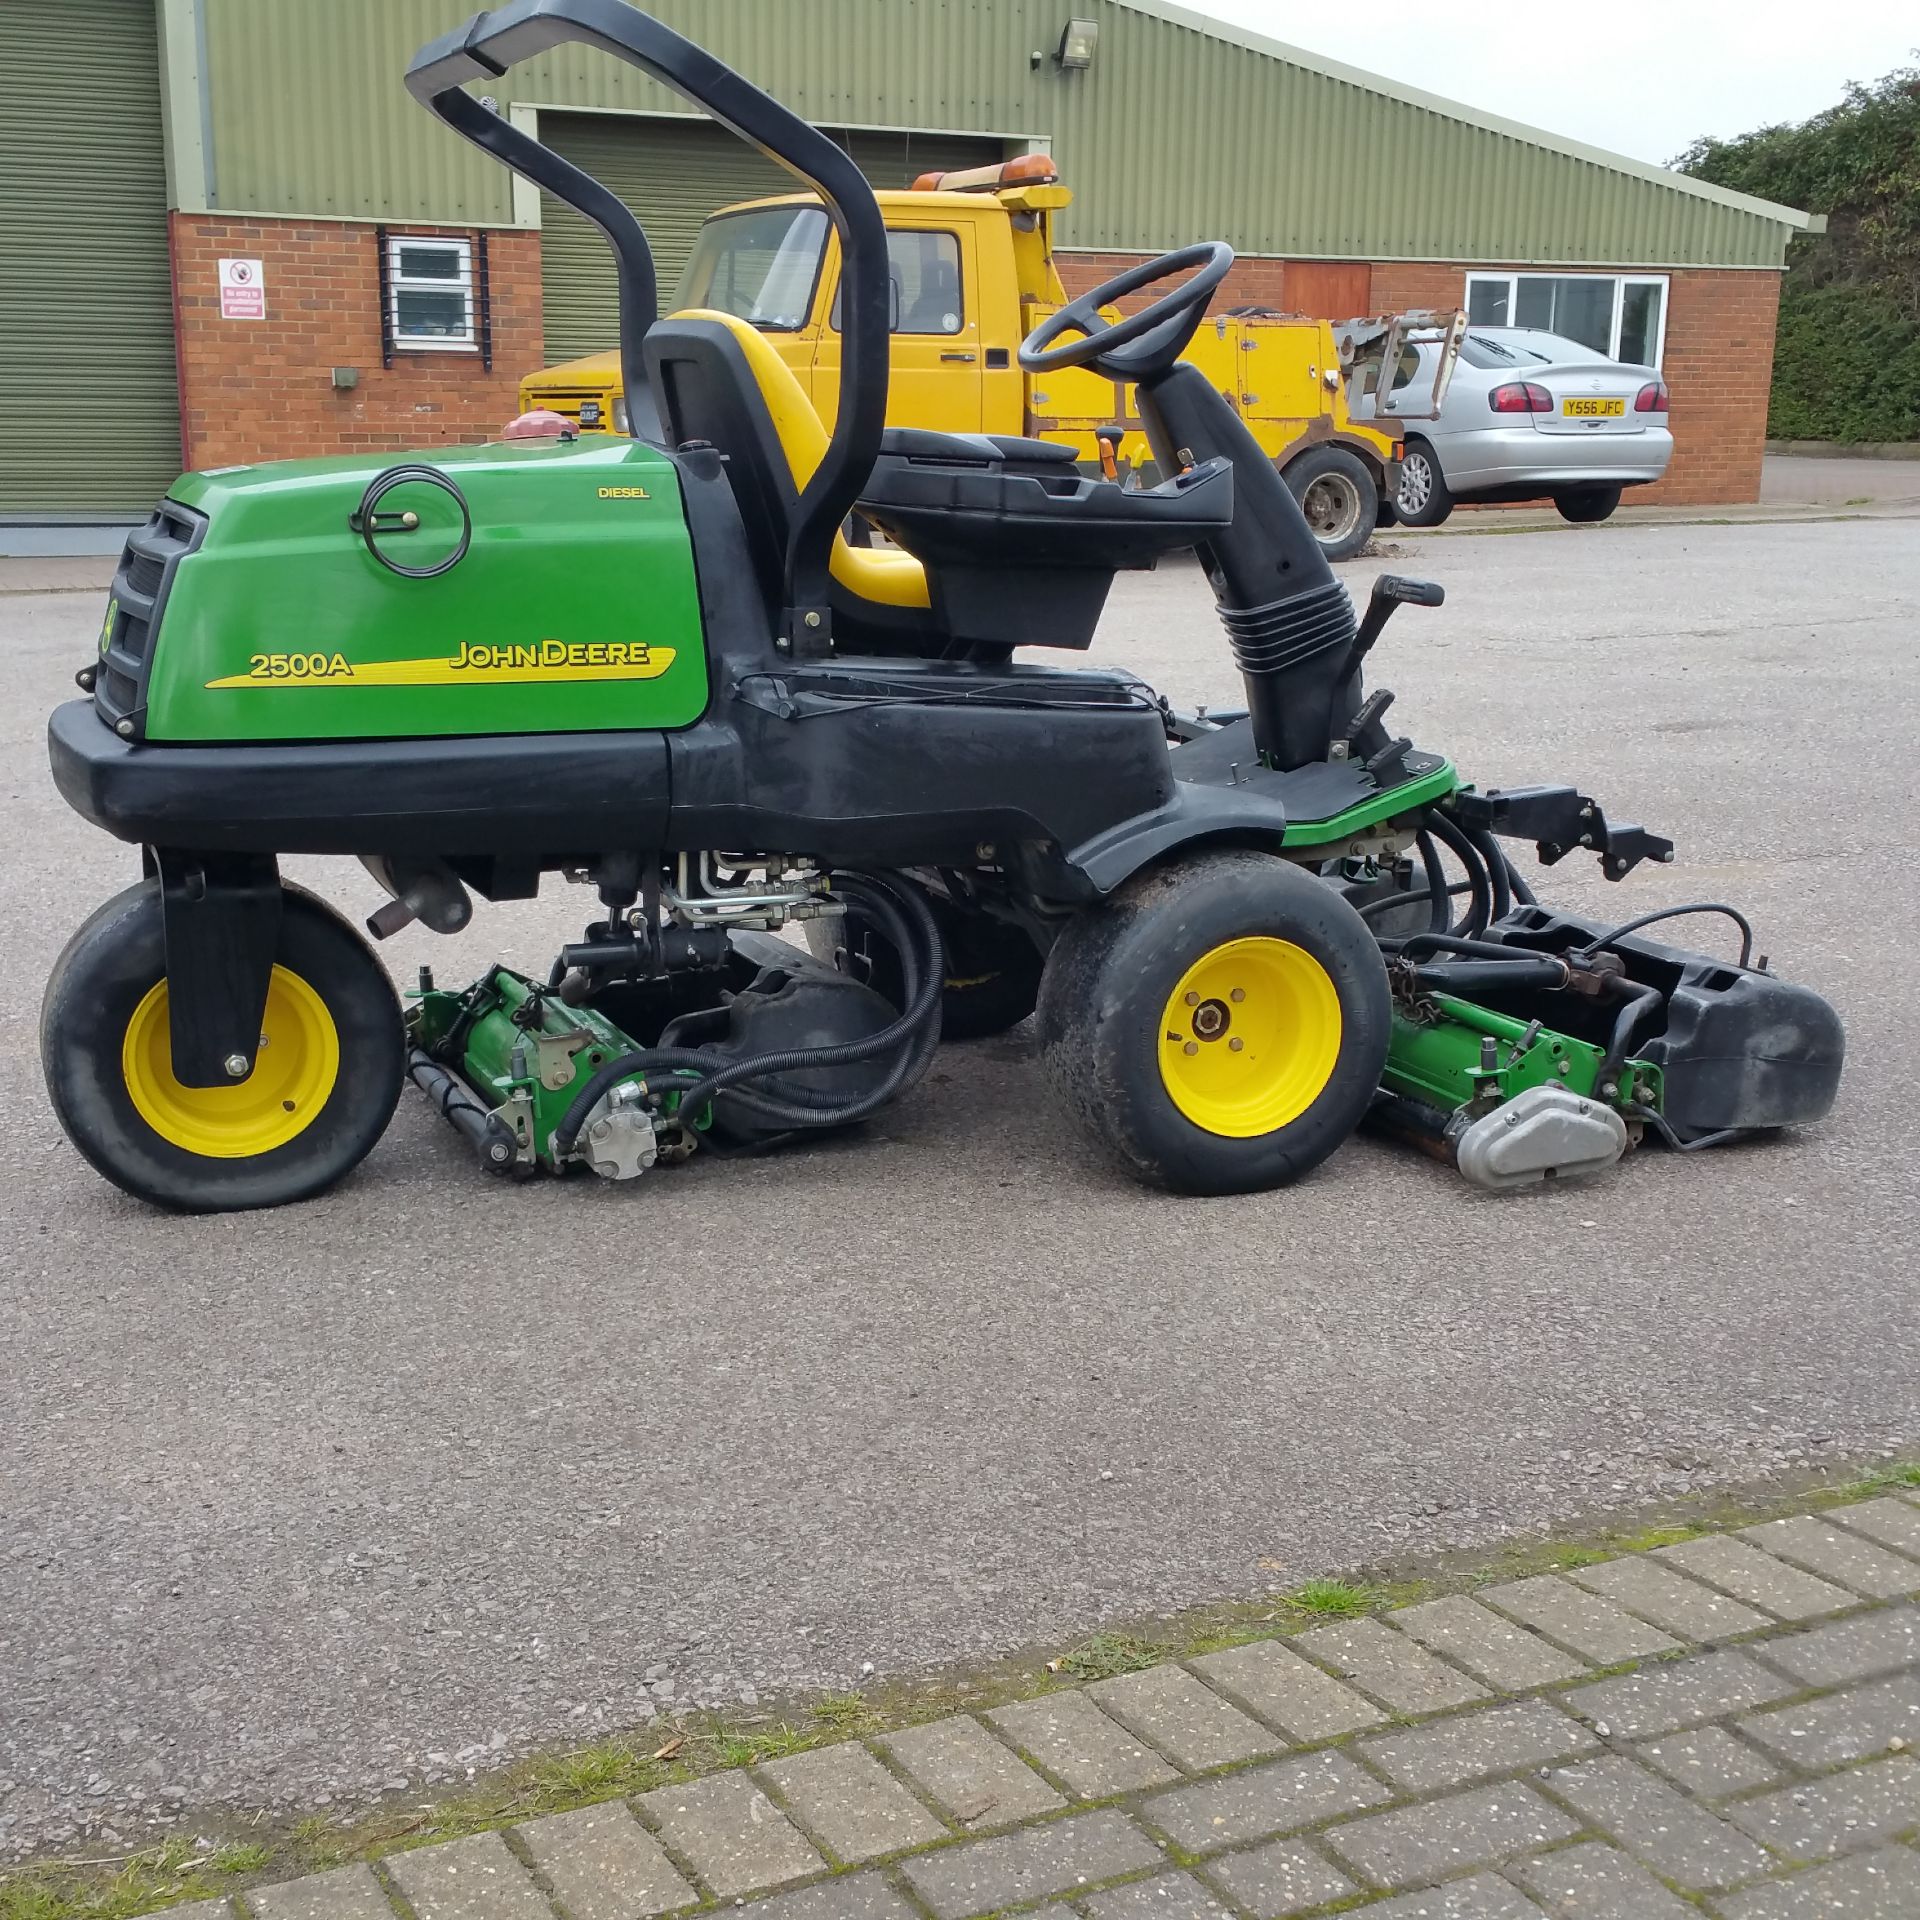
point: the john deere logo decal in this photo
(520, 664)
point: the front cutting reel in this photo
(654, 1039)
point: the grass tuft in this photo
(766, 1743)
(1898, 1473)
(249, 1857)
(1107, 1654)
(1333, 1599)
(162, 1877)
(844, 1714)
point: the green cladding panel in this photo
(1179, 128)
(89, 406)
(574, 610)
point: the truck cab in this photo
(972, 273)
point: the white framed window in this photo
(1623, 315)
(430, 295)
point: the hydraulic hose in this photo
(1720, 907)
(1414, 944)
(1639, 1005)
(1439, 894)
(1436, 892)
(1495, 862)
(918, 1025)
(1474, 975)
(1480, 887)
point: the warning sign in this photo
(243, 290)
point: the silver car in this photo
(1529, 414)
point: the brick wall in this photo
(1718, 366)
(1248, 283)
(1322, 289)
(263, 389)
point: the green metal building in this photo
(407, 280)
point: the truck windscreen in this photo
(761, 264)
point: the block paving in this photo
(1728, 1725)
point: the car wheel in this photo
(1423, 499)
(1339, 498)
(1585, 506)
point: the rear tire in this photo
(1339, 497)
(1146, 995)
(1587, 506)
(1423, 499)
(319, 1097)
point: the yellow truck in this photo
(973, 274)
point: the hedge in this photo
(1846, 367)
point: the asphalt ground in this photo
(296, 1504)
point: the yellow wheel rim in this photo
(1250, 1037)
(293, 1074)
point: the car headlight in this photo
(620, 415)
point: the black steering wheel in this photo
(1142, 343)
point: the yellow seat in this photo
(885, 576)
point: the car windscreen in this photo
(1522, 347)
(761, 265)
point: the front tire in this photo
(1423, 499)
(321, 1092)
(1587, 506)
(1220, 1025)
(1340, 498)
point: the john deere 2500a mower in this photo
(656, 666)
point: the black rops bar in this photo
(494, 41)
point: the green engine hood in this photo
(574, 609)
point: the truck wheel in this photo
(320, 1094)
(1585, 506)
(1219, 1025)
(1423, 499)
(1339, 497)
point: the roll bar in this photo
(492, 42)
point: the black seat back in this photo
(706, 391)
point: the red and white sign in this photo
(243, 290)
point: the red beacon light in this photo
(542, 423)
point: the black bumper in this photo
(523, 794)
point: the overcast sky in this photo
(1641, 77)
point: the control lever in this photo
(1369, 711)
(1391, 590)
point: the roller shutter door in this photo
(89, 409)
(673, 173)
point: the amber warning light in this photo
(1026, 170)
